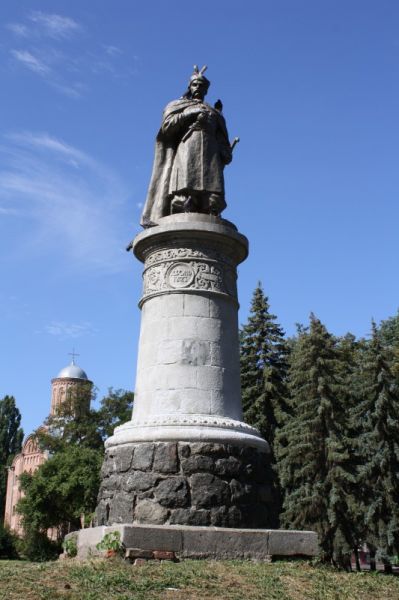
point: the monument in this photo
(186, 463)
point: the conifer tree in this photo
(389, 335)
(312, 448)
(11, 436)
(263, 357)
(351, 353)
(389, 331)
(378, 412)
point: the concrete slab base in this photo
(204, 542)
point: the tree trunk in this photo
(387, 566)
(347, 563)
(356, 553)
(372, 559)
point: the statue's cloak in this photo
(157, 203)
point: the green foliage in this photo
(111, 541)
(389, 335)
(335, 432)
(313, 448)
(73, 424)
(64, 489)
(8, 543)
(11, 436)
(378, 414)
(87, 427)
(389, 331)
(263, 364)
(70, 546)
(61, 490)
(263, 357)
(115, 409)
(36, 546)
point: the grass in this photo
(112, 579)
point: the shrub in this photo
(70, 546)
(36, 546)
(8, 542)
(111, 542)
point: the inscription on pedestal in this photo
(180, 275)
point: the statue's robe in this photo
(188, 157)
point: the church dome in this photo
(72, 371)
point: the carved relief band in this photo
(163, 273)
(190, 253)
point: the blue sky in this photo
(312, 89)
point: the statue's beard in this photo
(198, 96)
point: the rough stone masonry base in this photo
(203, 542)
(180, 483)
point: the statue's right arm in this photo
(177, 123)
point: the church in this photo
(71, 381)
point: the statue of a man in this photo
(192, 148)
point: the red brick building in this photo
(70, 382)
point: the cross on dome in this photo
(73, 354)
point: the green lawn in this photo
(113, 579)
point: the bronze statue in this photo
(192, 149)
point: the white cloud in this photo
(113, 50)
(52, 77)
(64, 330)
(46, 49)
(47, 142)
(31, 62)
(75, 90)
(18, 28)
(63, 65)
(74, 204)
(8, 211)
(55, 26)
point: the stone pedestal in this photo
(195, 483)
(186, 456)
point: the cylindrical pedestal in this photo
(188, 372)
(186, 457)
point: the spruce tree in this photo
(313, 450)
(351, 352)
(263, 356)
(389, 334)
(389, 331)
(378, 412)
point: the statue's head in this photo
(198, 85)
